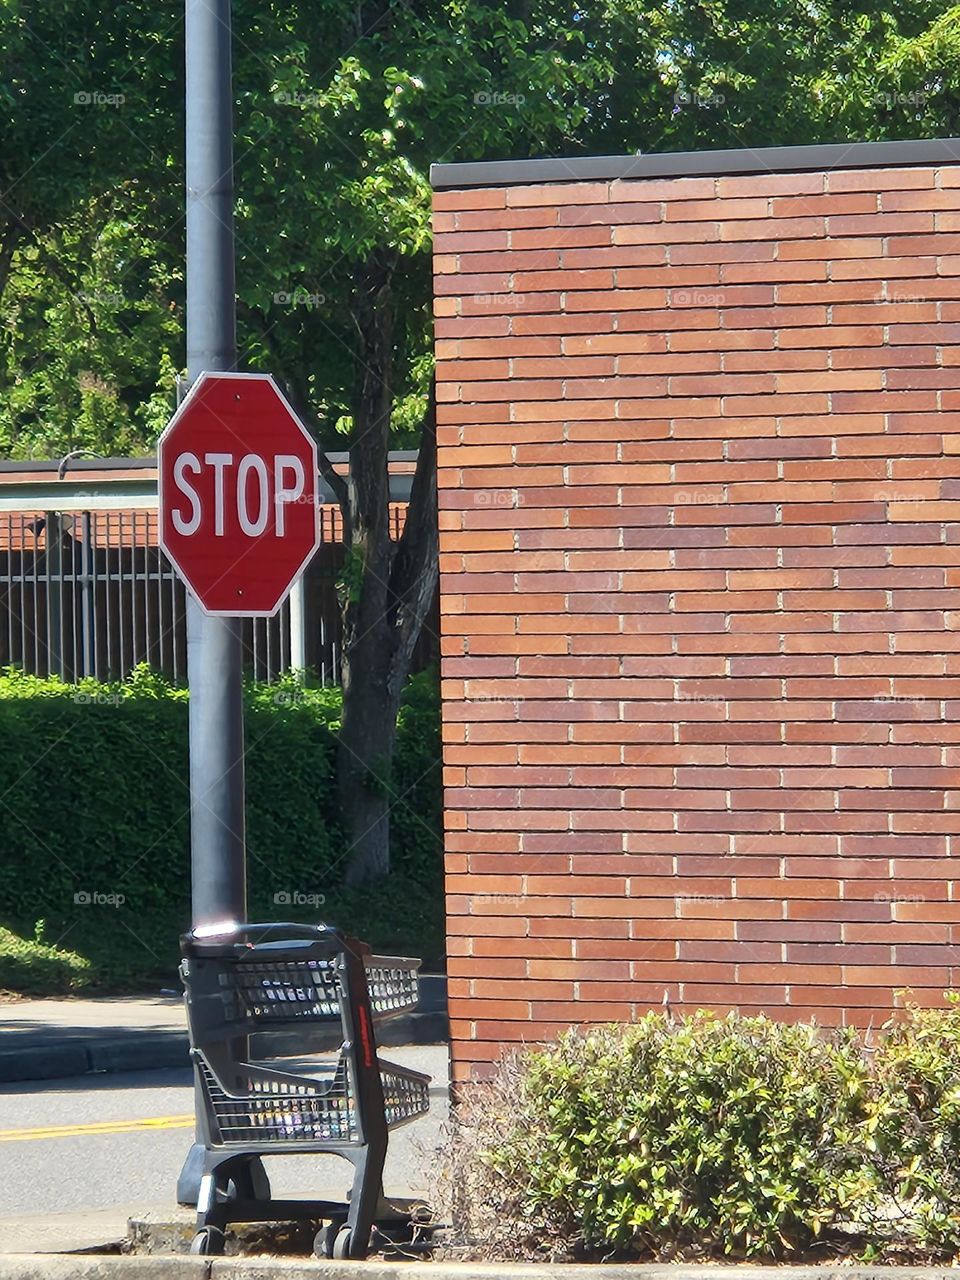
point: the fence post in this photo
(53, 563)
(298, 626)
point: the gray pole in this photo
(214, 648)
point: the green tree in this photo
(89, 104)
(90, 338)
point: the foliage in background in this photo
(90, 335)
(85, 162)
(341, 106)
(94, 801)
(717, 1137)
(417, 807)
(340, 109)
(31, 966)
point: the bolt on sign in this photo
(238, 494)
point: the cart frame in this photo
(234, 1094)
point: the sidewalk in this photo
(49, 1039)
(272, 1268)
(52, 1039)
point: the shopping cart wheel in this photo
(325, 1238)
(208, 1240)
(342, 1243)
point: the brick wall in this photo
(700, 552)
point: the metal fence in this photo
(90, 593)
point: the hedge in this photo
(734, 1137)
(94, 817)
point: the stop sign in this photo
(238, 494)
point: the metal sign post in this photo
(214, 647)
(237, 474)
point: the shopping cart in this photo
(274, 978)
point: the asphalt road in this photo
(78, 1157)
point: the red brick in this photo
(561, 238)
(479, 198)
(536, 281)
(480, 220)
(706, 995)
(885, 268)
(800, 206)
(830, 292)
(614, 213)
(886, 224)
(658, 189)
(678, 233)
(713, 209)
(710, 253)
(781, 229)
(571, 194)
(770, 184)
(880, 180)
(588, 933)
(834, 248)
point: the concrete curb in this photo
(61, 1266)
(152, 1050)
(118, 1267)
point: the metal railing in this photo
(87, 591)
(90, 593)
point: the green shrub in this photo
(34, 967)
(917, 1125)
(416, 812)
(95, 790)
(733, 1136)
(94, 799)
(717, 1137)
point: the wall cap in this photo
(684, 164)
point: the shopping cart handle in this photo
(233, 931)
(242, 939)
(279, 944)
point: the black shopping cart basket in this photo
(276, 982)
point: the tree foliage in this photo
(340, 110)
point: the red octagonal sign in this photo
(238, 494)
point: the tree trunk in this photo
(387, 587)
(369, 709)
(365, 754)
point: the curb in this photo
(118, 1267)
(79, 1055)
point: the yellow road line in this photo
(103, 1126)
